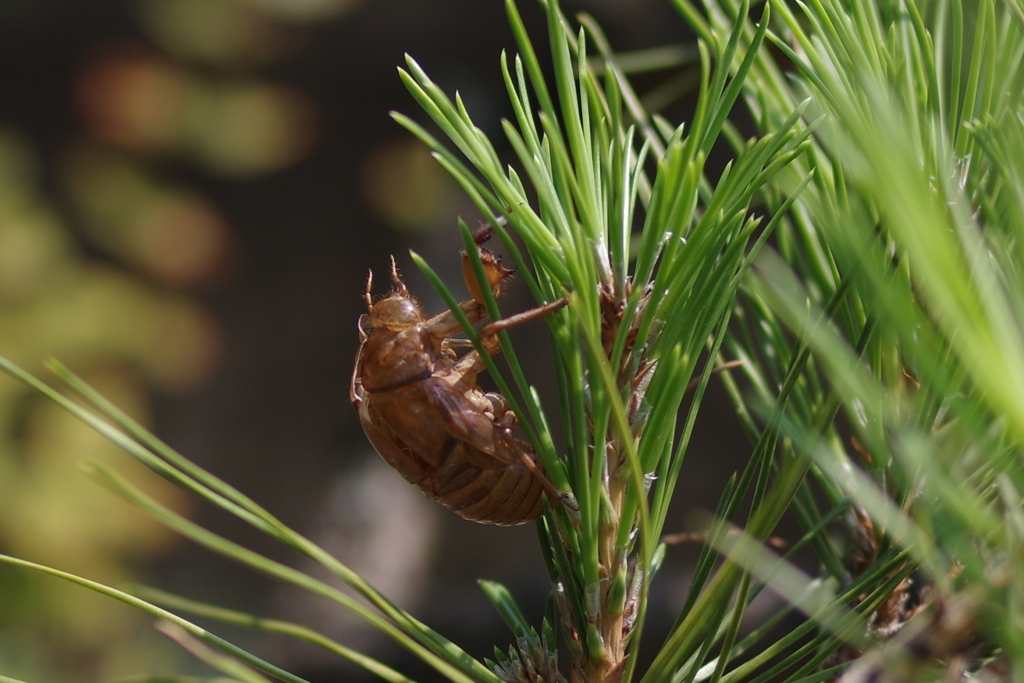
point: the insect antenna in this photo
(399, 285)
(369, 288)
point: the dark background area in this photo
(272, 416)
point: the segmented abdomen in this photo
(505, 495)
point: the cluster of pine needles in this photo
(855, 278)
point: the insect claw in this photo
(507, 272)
(495, 272)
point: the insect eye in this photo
(364, 324)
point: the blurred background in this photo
(191, 193)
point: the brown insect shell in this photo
(423, 412)
(396, 346)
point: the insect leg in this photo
(554, 493)
(444, 325)
(524, 317)
(505, 419)
(469, 365)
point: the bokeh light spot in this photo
(405, 187)
(246, 128)
(235, 127)
(303, 11)
(137, 101)
(225, 32)
(171, 233)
